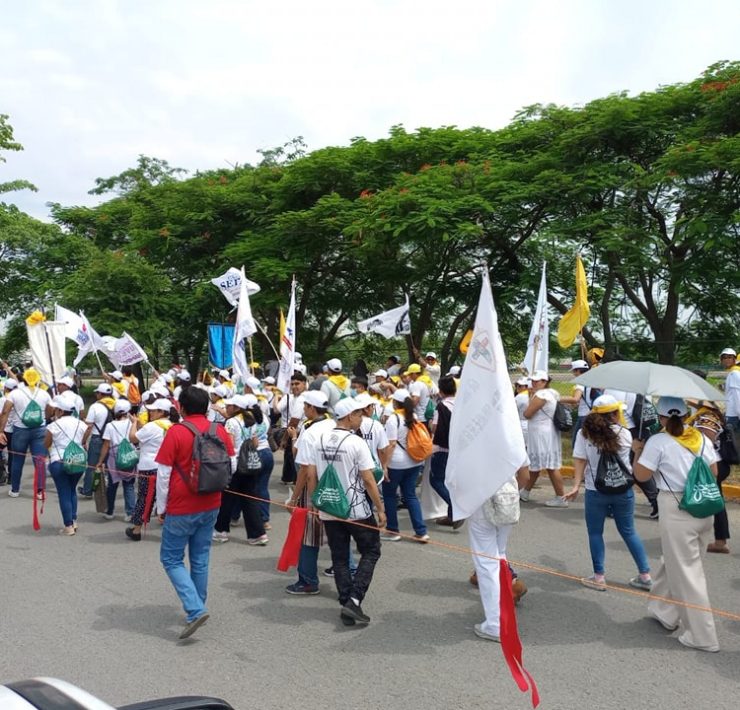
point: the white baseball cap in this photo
(335, 364)
(162, 404)
(381, 373)
(316, 398)
(183, 375)
(220, 391)
(667, 406)
(344, 407)
(224, 374)
(122, 406)
(10, 384)
(66, 381)
(104, 388)
(431, 355)
(579, 365)
(269, 380)
(728, 351)
(238, 400)
(539, 375)
(65, 401)
(252, 383)
(454, 371)
(364, 400)
(401, 395)
(116, 375)
(522, 382)
(159, 389)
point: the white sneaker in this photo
(127, 518)
(220, 537)
(390, 536)
(556, 502)
(107, 516)
(478, 629)
(14, 494)
(524, 495)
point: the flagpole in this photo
(51, 359)
(251, 356)
(534, 354)
(262, 330)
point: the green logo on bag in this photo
(32, 416)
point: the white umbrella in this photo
(651, 379)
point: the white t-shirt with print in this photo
(21, 397)
(584, 449)
(349, 454)
(396, 430)
(150, 438)
(306, 441)
(373, 432)
(63, 431)
(664, 455)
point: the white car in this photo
(54, 694)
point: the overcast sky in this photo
(91, 84)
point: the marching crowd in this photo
(199, 455)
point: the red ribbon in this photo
(510, 643)
(38, 462)
(293, 540)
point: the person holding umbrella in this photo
(667, 457)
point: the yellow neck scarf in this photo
(691, 439)
(108, 402)
(340, 381)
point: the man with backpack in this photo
(98, 415)
(337, 386)
(194, 464)
(343, 457)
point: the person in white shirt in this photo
(31, 405)
(183, 381)
(544, 445)
(65, 428)
(602, 435)
(149, 437)
(115, 432)
(290, 409)
(350, 457)
(337, 385)
(521, 398)
(418, 391)
(403, 471)
(667, 457)
(373, 432)
(98, 415)
(6, 464)
(66, 384)
(728, 358)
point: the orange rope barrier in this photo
(518, 563)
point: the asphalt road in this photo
(98, 610)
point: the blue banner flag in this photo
(220, 340)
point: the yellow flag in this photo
(465, 342)
(573, 321)
(282, 328)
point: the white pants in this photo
(680, 574)
(490, 540)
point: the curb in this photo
(729, 490)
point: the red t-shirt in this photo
(177, 451)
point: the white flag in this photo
(46, 342)
(388, 324)
(128, 351)
(230, 284)
(287, 347)
(538, 345)
(244, 328)
(78, 328)
(486, 440)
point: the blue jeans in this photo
(437, 467)
(66, 485)
(622, 507)
(406, 479)
(23, 440)
(308, 565)
(194, 532)
(263, 480)
(94, 445)
(129, 495)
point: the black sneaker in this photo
(300, 588)
(132, 535)
(347, 620)
(83, 494)
(654, 515)
(329, 572)
(354, 611)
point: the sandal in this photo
(720, 547)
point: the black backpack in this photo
(612, 476)
(210, 468)
(562, 418)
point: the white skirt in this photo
(544, 446)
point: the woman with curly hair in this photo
(602, 435)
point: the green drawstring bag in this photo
(329, 496)
(32, 416)
(701, 496)
(377, 471)
(74, 457)
(126, 455)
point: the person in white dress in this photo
(521, 398)
(544, 445)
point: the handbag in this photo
(249, 462)
(503, 508)
(100, 491)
